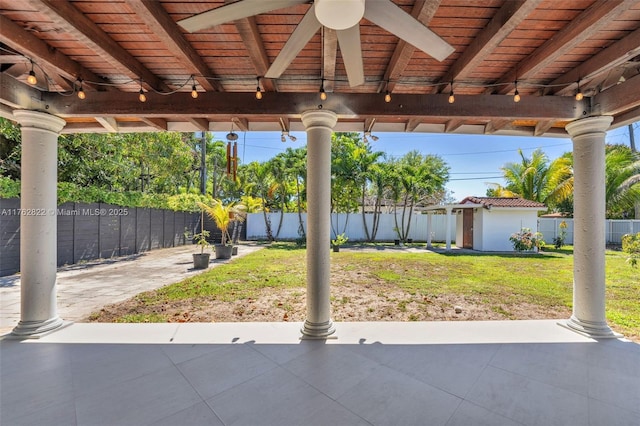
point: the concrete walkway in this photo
(85, 288)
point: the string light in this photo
(81, 93)
(387, 97)
(194, 91)
(452, 98)
(141, 96)
(258, 91)
(31, 79)
(323, 94)
(579, 95)
(516, 94)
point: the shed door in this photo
(467, 228)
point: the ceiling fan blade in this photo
(231, 12)
(392, 18)
(306, 29)
(351, 51)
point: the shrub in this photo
(558, 241)
(9, 188)
(631, 246)
(525, 240)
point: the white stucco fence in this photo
(351, 226)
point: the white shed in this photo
(488, 228)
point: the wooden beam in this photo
(71, 19)
(241, 123)
(423, 11)
(506, 19)
(164, 27)
(201, 123)
(614, 55)
(109, 123)
(248, 30)
(412, 124)
(495, 125)
(453, 125)
(156, 122)
(618, 99)
(329, 56)
(629, 117)
(543, 127)
(17, 38)
(18, 95)
(224, 106)
(597, 17)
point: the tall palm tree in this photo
(622, 176)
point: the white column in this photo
(588, 137)
(319, 126)
(38, 225)
(448, 230)
(429, 229)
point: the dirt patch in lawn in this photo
(354, 297)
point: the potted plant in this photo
(338, 241)
(222, 215)
(201, 260)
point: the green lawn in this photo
(542, 280)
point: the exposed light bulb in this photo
(516, 97)
(282, 138)
(258, 93)
(323, 94)
(194, 92)
(142, 96)
(31, 79)
(387, 97)
(81, 93)
(293, 138)
(452, 98)
(579, 96)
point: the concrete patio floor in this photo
(420, 373)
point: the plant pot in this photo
(201, 260)
(223, 252)
(336, 248)
(234, 251)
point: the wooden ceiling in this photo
(115, 47)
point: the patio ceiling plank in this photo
(17, 38)
(329, 57)
(588, 23)
(164, 27)
(66, 15)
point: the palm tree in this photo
(538, 180)
(622, 177)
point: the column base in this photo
(594, 330)
(323, 330)
(37, 329)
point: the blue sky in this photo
(474, 159)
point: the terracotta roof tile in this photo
(489, 202)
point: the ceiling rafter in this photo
(66, 15)
(154, 16)
(589, 22)
(495, 125)
(506, 19)
(614, 55)
(109, 123)
(155, 122)
(201, 123)
(329, 57)
(412, 124)
(17, 38)
(452, 125)
(423, 11)
(543, 127)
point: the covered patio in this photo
(516, 67)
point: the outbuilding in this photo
(486, 223)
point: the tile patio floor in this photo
(422, 373)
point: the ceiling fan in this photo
(343, 16)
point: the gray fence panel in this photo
(9, 236)
(157, 229)
(168, 229)
(127, 231)
(86, 238)
(143, 229)
(109, 231)
(179, 228)
(66, 229)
